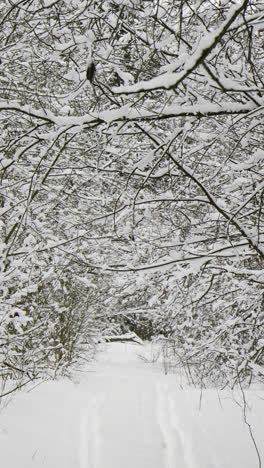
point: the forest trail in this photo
(126, 413)
(123, 407)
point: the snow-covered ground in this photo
(126, 413)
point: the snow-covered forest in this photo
(132, 183)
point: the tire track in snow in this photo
(90, 442)
(130, 435)
(177, 445)
(171, 437)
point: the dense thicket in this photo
(132, 199)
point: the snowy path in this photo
(125, 413)
(124, 429)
